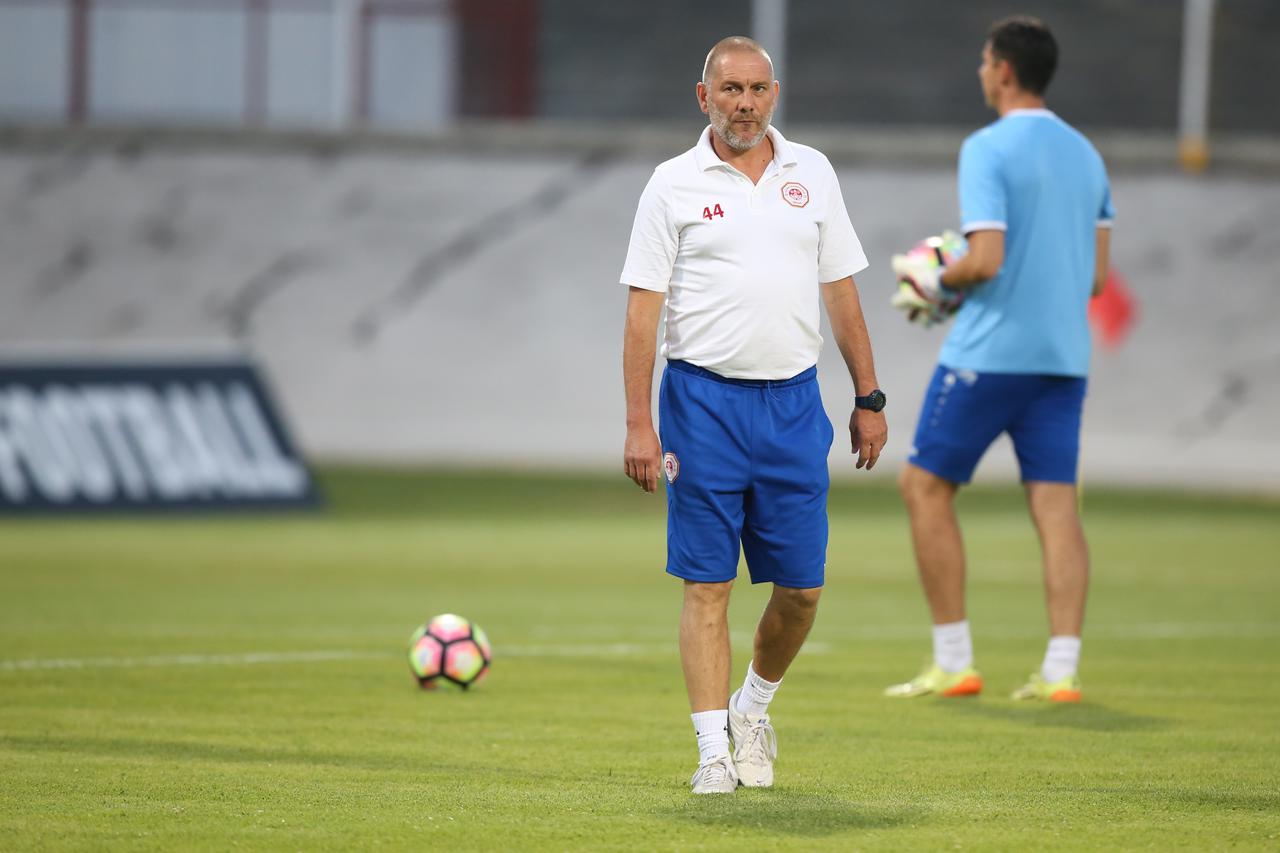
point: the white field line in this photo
(1139, 631)
(561, 650)
(1135, 631)
(182, 660)
(602, 650)
(1186, 631)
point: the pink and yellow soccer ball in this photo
(941, 251)
(449, 649)
(917, 270)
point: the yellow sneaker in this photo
(936, 681)
(1065, 690)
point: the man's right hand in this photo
(642, 457)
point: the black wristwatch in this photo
(874, 401)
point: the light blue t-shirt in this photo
(1039, 180)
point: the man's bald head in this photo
(732, 44)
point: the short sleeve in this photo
(651, 254)
(1107, 213)
(840, 252)
(983, 204)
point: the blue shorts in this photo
(964, 411)
(746, 467)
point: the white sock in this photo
(952, 646)
(1061, 659)
(756, 693)
(712, 729)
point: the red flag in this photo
(1113, 312)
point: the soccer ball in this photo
(449, 648)
(919, 291)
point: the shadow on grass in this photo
(222, 753)
(788, 811)
(1085, 716)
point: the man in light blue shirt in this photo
(1036, 208)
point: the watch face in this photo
(873, 402)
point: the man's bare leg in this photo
(935, 536)
(704, 644)
(939, 550)
(1066, 583)
(781, 632)
(705, 656)
(783, 627)
(1066, 554)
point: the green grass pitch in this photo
(179, 684)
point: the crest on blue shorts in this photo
(670, 466)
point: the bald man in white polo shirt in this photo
(739, 236)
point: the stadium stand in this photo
(443, 307)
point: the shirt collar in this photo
(706, 157)
(1035, 111)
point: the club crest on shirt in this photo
(795, 194)
(670, 466)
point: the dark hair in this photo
(1027, 45)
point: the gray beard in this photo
(720, 124)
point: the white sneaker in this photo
(716, 776)
(755, 745)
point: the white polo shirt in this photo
(741, 262)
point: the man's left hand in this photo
(869, 433)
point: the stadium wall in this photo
(457, 308)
